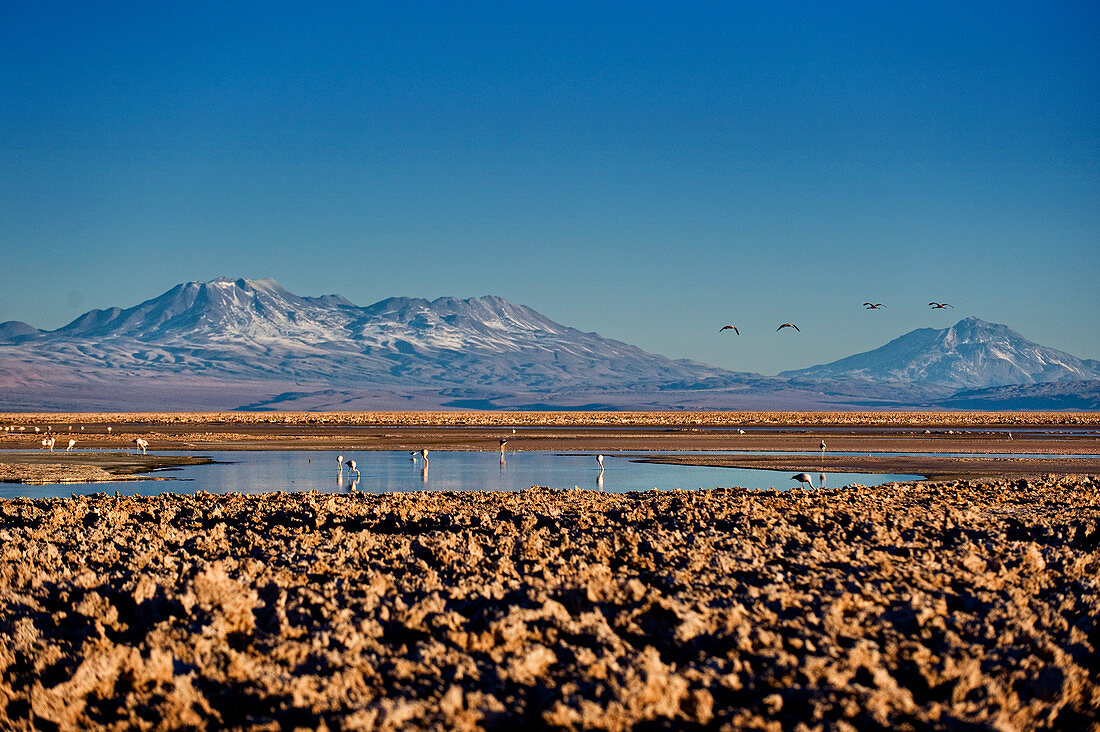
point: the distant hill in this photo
(1060, 395)
(13, 330)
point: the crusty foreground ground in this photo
(900, 607)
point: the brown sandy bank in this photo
(905, 606)
(40, 468)
(935, 467)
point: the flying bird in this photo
(940, 305)
(787, 325)
(873, 305)
(730, 327)
(804, 478)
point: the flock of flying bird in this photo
(867, 306)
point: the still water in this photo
(389, 472)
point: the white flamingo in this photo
(72, 444)
(340, 462)
(804, 478)
(142, 443)
(424, 454)
(599, 459)
(352, 467)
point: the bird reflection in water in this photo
(424, 473)
(822, 476)
(353, 485)
(599, 480)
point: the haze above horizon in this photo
(647, 172)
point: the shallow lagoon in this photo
(388, 471)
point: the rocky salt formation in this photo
(906, 606)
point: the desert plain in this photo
(969, 600)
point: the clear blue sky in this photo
(650, 171)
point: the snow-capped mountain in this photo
(972, 354)
(254, 330)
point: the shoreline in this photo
(44, 468)
(718, 439)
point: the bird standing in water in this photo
(804, 478)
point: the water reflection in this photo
(382, 472)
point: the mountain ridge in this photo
(241, 343)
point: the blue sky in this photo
(649, 171)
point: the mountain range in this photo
(250, 344)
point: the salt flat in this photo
(904, 606)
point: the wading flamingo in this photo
(804, 478)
